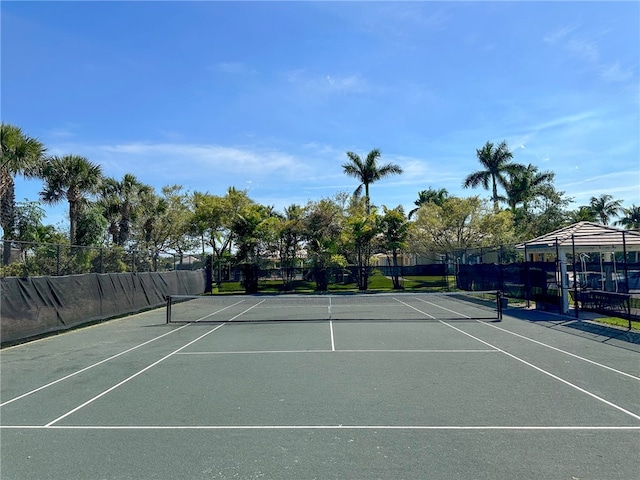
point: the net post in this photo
(499, 304)
(168, 308)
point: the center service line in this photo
(333, 344)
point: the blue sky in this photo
(268, 96)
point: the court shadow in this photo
(605, 331)
(619, 337)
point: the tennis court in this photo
(359, 386)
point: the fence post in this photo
(58, 260)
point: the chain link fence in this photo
(30, 259)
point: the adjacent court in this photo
(358, 386)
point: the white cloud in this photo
(558, 34)
(615, 73)
(327, 84)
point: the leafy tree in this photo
(496, 160)
(360, 228)
(212, 221)
(431, 195)
(322, 223)
(631, 218)
(367, 171)
(545, 213)
(28, 218)
(91, 227)
(163, 223)
(290, 230)
(72, 178)
(250, 228)
(395, 231)
(605, 207)
(459, 224)
(19, 155)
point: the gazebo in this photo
(580, 238)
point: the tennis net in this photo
(485, 305)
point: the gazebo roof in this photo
(584, 237)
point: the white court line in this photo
(333, 343)
(262, 352)
(565, 352)
(541, 370)
(443, 308)
(31, 392)
(91, 400)
(414, 308)
(327, 427)
(130, 378)
(218, 311)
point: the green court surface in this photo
(400, 396)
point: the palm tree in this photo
(431, 195)
(524, 185)
(71, 177)
(19, 155)
(631, 219)
(120, 201)
(497, 163)
(605, 207)
(368, 171)
(583, 214)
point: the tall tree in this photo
(605, 207)
(496, 160)
(584, 213)
(431, 195)
(322, 226)
(524, 185)
(72, 178)
(631, 218)
(212, 221)
(250, 228)
(395, 231)
(359, 232)
(367, 171)
(19, 155)
(162, 225)
(290, 231)
(121, 202)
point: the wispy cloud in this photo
(558, 34)
(588, 51)
(327, 84)
(564, 121)
(615, 73)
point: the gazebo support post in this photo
(575, 277)
(564, 287)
